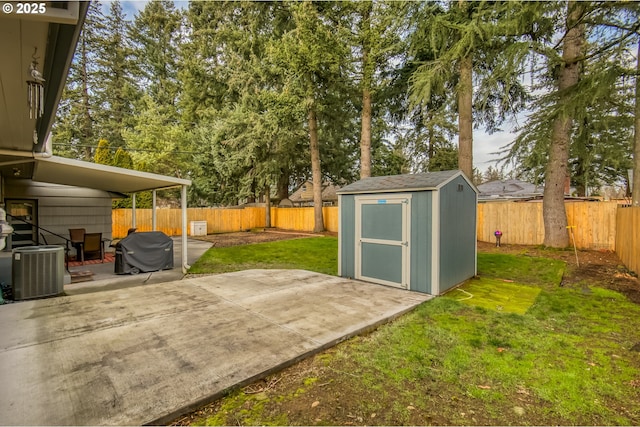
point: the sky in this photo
(484, 145)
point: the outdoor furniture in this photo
(144, 252)
(92, 247)
(76, 238)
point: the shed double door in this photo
(382, 239)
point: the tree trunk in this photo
(318, 224)
(553, 209)
(365, 134)
(267, 213)
(635, 191)
(431, 148)
(283, 184)
(465, 119)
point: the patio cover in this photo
(60, 170)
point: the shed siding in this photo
(457, 233)
(442, 240)
(421, 237)
(347, 236)
(61, 207)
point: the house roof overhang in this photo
(48, 37)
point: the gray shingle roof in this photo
(385, 184)
(511, 188)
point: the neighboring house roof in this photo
(508, 189)
(304, 193)
(407, 182)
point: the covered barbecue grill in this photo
(143, 252)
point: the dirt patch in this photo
(596, 268)
(255, 236)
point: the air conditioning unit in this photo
(38, 271)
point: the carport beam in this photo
(154, 221)
(133, 210)
(183, 202)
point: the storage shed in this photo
(416, 232)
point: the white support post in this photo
(185, 265)
(154, 221)
(133, 211)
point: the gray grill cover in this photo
(144, 251)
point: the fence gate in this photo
(382, 239)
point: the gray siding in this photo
(348, 235)
(421, 239)
(457, 233)
(61, 207)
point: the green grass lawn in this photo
(521, 351)
(318, 254)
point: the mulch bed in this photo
(248, 237)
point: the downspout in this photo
(183, 203)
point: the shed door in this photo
(382, 239)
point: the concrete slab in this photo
(147, 354)
(104, 277)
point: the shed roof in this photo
(407, 182)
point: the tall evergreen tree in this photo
(378, 27)
(75, 130)
(581, 93)
(312, 58)
(553, 209)
(472, 37)
(155, 34)
(226, 51)
(635, 195)
(115, 90)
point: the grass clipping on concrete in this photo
(551, 356)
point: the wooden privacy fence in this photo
(522, 223)
(628, 237)
(222, 220)
(598, 225)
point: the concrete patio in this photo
(147, 354)
(104, 278)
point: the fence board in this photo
(520, 223)
(523, 224)
(221, 220)
(628, 237)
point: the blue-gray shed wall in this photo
(457, 236)
(457, 233)
(421, 242)
(347, 235)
